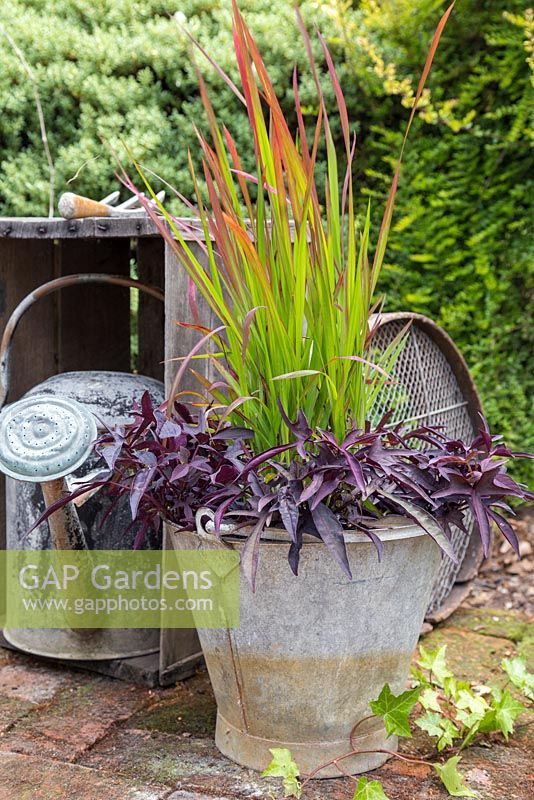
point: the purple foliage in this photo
(336, 485)
(170, 467)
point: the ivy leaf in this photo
(449, 733)
(429, 700)
(419, 677)
(471, 708)
(507, 710)
(431, 723)
(452, 687)
(516, 669)
(481, 689)
(503, 712)
(434, 662)
(453, 780)
(471, 733)
(395, 710)
(283, 766)
(441, 728)
(369, 790)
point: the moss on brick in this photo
(492, 622)
(194, 714)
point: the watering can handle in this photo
(48, 288)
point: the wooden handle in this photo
(74, 206)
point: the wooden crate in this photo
(88, 327)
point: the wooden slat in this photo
(180, 650)
(151, 315)
(94, 321)
(24, 265)
(179, 341)
(90, 228)
(143, 670)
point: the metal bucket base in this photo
(84, 645)
(253, 751)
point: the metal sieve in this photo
(433, 387)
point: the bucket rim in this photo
(392, 527)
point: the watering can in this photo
(46, 444)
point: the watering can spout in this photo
(65, 527)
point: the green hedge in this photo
(118, 69)
(461, 250)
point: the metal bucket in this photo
(312, 651)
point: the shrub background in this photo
(461, 248)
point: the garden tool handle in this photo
(43, 291)
(75, 206)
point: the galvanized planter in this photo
(311, 652)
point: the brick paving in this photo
(69, 735)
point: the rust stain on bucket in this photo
(313, 694)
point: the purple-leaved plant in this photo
(331, 486)
(168, 468)
(171, 467)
